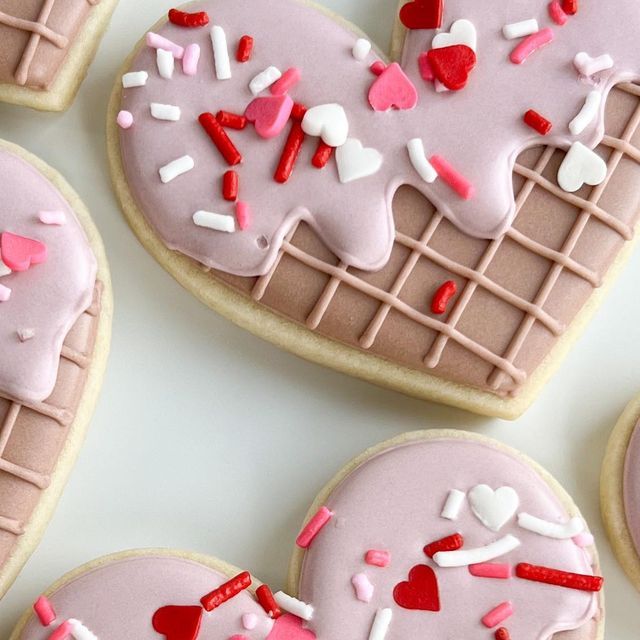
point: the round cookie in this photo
(55, 312)
(620, 491)
(462, 275)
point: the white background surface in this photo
(209, 439)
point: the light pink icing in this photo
(393, 501)
(478, 130)
(47, 299)
(631, 487)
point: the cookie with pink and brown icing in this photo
(433, 534)
(441, 224)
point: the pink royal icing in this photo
(631, 487)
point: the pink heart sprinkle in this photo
(269, 114)
(393, 89)
(290, 627)
(20, 253)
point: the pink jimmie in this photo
(557, 13)
(288, 80)
(426, 71)
(57, 218)
(584, 539)
(313, 527)
(156, 41)
(191, 59)
(243, 215)
(63, 632)
(531, 44)
(453, 178)
(44, 610)
(377, 558)
(498, 615)
(363, 587)
(501, 571)
(125, 119)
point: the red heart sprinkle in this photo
(452, 65)
(19, 253)
(178, 623)
(420, 591)
(422, 14)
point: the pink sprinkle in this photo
(191, 59)
(363, 587)
(377, 67)
(377, 558)
(160, 42)
(243, 215)
(288, 80)
(425, 67)
(454, 179)
(64, 631)
(498, 615)
(313, 527)
(52, 217)
(491, 570)
(531, 44)
(124, 119)
(238, 637)
(557, 13)
(44, 610)
(584, 539)
(5, 293)
(249, 621)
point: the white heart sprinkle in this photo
(355, 162)
(327, 121)
(581, 166)
(493, 508)
(461, 32)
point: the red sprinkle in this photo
(570, 7)
(322, 155)
(245, 49)
(220, 138)
(538, 122)
(442, 297)
(559, 578)
(377, 67)
(268, 602)
(502, 634)
(184, 19)
(290, 153)
(231, 120)
(226, 591)
(230, 186)
(450, 543)
(298, 111)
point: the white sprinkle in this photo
(455, 499)
(52, 217)
(4, 270)
(220, 53)
(5, 293)
(588, 66)
(264, 80)
(25, 334)
(361, 49)
(465, 557)
(134, 79)
(80, 632)
(380, 624)
(176, 168)
(217, 222)
(293, 605)
(587, 115)
(581, 166)
(520, 29)
(165, 62)
(426, 171)
(165, 111)
(548, 529)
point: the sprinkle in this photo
(293, 605)
(63, 632)
(587, 114)
(380, 624)
(215, 221)
(570, 7)
(497, 615)
(231, 120)
(557, 14)
(249, 621)
(80, 632)
(498, 571)
(44, 610)
(581, 165)
(176, 168)
(124, 119)
(313, 527)
(268, 602)
(20, 253)
(289, 79)
(290, 153)
(502, 634)
(298, 112)
(531, 44)
(220, 138)
(588, 66)
(450, 543)
(165, 111)
(454, 179)
(220, 53)
(559, 578)
(377, 557)
(327, 121)
(156, 41)
(419, 161)
(465, 557)
(191, 59)
(363, 587)
(520, 29)
(322, 155)
(453, 504)
(190, 20)
(264, 80)
(534, 120)
(24, 335)
(57, 218)
(551, 529)
(165, 62)
(584, 539)
(442, 297)
(355, 162)
(230, 186)
(245, 49)
(377, 67)
(243, 215)
(234, 586)
(361, 49)
(134, 79)
(425, 68)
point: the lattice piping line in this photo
(321, 306)
(262, 283)
(35, 478)
(78, 358)
(8, 425)
(38, 28)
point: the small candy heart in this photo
(355, 162)
(19, 253)
(420, 591)
(393, 89)
(288, 627)
(580, 166)
(461, 32)
(493, 508)
(327, 121)
(178, 623)
(269, 114)
(452, 65)
(422, 14)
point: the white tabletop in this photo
(209, 439)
